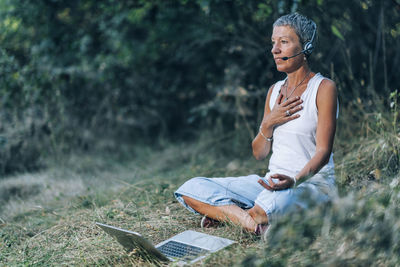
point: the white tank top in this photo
(295, 141)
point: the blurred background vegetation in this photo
(79, 75)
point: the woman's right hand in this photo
(282, 112)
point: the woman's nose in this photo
(274, 49)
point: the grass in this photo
(55, 225)
(47, 217)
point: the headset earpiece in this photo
(309, 47)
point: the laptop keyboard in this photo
(175, 249)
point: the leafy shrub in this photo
(20, 127)
(158, 68)
(361, 228)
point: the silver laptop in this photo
(186, 247)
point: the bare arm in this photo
(326, 127)
(261, 146)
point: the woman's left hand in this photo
(285, 182)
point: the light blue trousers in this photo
(245, 191)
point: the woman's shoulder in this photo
(324, 81)
(327, 86)
(323, 85)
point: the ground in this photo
(48, 217)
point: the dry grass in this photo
(50, 218)
(27, 192)
(52, 227)
(77, 241)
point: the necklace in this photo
(287, 84)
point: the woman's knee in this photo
(258, 215)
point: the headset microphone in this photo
(286, 58)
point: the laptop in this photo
(186, 247)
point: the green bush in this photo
(169, 68)
(359, 229)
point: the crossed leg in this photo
(230, 213)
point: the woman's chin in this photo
(280, 68)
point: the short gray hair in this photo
(303, 26)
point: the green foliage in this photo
(395, 109)
(21, 127)
(359, 229)
(119, 63)
(374, 153)
(336, 32)
(129, 70)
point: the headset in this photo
(308, 47)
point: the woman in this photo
(299, 125)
